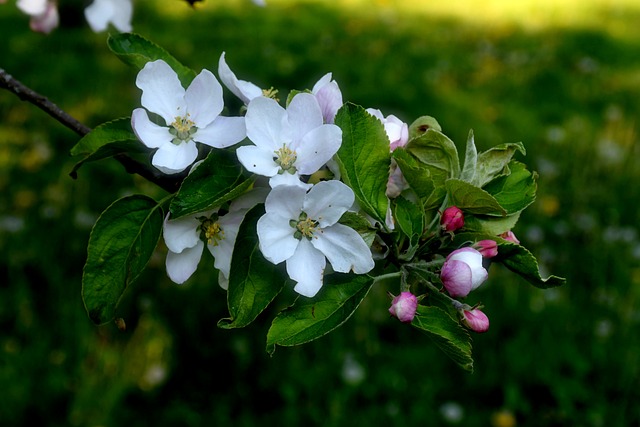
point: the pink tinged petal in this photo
(264, 120)
(376, 113)
(288, 179)
(180, 234)
(304, 115)
(476, 320)
(257, 160)
(330, 100)
(275, 237)
(456, 277)
(204, 99)
(306, 267)
(327, 201)
(162, 92)
(286, 202)
(473, 259)
(151, 135)
(244, 90)
(181, 266)
(344, 248)
(222, 132)
(47, 21)
(324, 80)
(316, 148)
(171, 158)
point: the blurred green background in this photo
(563, 77)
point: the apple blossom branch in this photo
(8, 82)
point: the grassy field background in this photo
(562, 77)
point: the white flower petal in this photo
(223, 132)
(102, 12)
(244, 90)
(324, 80)
(264, 120)
(276, 239)
(47, 21)
(162, 92)
(304, 115)
(181, 266)
(223, 281)
(306, 267)
(327, 201)
(181, 233)
(287, 178)
(32, 7)
(316, 148)
(204, 99)
(171, 158)
(149, 133)
(223, 250)
(257, 160)
(286, 201)
(344, 248)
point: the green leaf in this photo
(515, 191)
(439, 153)
(519, 260)
(311, 318)
(490, 224)
(136, 51)
(218, 179)
(114, 131)
(423, 124)
(121, 242)
(253, 282)
(493, 162)
(415, 173)
(470, 160)
(472, 199)
(447, 334)
(410, 219)
(360, 224)
(106, 140)
(364, 159)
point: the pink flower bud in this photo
(463, 272)
(510, 237)
(476, 320)
(404, 307)
(452, 219)
(488, 248)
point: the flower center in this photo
(304, 226)
(210, 231)
(182, 129)
(271, 93)
(285, 158)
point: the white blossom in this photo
(288, 143)
(101, 13)
(329, 97)
(186, 238)
(191, 116)
(244, 90)
(302, 228)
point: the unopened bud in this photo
(404, 307)
(510, 237)
(452, 219)
(475, 320)
(488, 248)
(463, 272)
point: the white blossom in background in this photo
(288, 143)
(191, 116)
(101, 13)
(302, 228)
(43, 13)
(187, 237)
(259, 2)
(244, 90)
(329, 97)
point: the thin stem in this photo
(387, 276)
(168, 183)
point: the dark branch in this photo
(166, 182)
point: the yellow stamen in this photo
(212, 232)
(285, 158)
